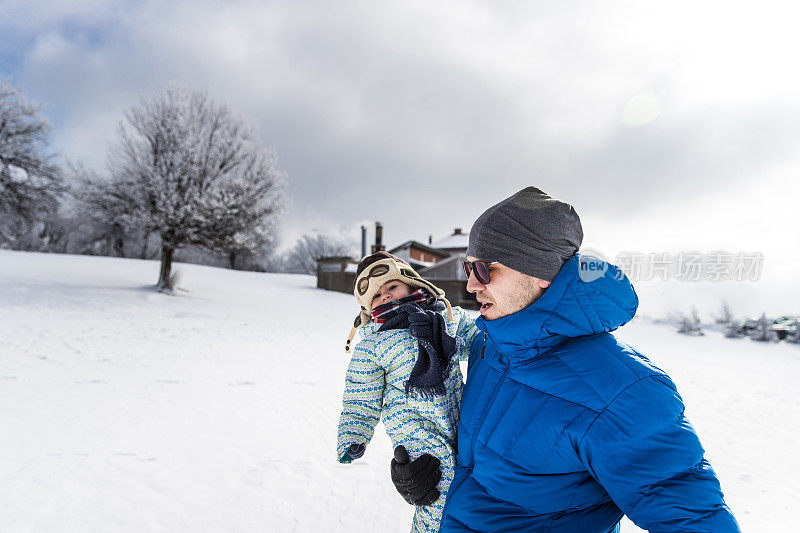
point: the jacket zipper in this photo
(477, 429)
(485, 410)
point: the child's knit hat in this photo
(375, 270)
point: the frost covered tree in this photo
(794, 334)
(690, 325)
(725, 315)
(241, 222)
(302, 258)
(733, 329)
(103, 209)
(250, 244)
(763, 331)
(185, 168)
(30, 182)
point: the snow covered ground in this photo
(216, 409)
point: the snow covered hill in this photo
(216, 409)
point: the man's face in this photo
(389, 292)
(508, 291)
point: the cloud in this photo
(374, 109)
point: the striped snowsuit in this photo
(375, 389)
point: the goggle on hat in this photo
(370, 281)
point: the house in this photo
(336, 273)
(449, 269)
(418, 255)
(438, 261)
(456, 243)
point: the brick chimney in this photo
(457, 231)
(378, 246)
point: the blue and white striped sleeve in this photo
(465, 333)
(362, 401)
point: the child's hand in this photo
(420, 322)
(416, 480)
(356, 450)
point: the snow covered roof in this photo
(419, 246)
(457, 240)
(416, 263)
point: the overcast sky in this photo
(669, 127)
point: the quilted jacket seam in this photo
(596, 418)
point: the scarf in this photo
(384, 312)
(428, 326)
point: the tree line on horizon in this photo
(759, 328)
(185, 179)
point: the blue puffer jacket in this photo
(563, 428)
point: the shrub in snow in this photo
(733, 330)
(725, 315)
(763, 330)
(690, 325)
(791, 331)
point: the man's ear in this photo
(543, 284)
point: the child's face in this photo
(389, 292)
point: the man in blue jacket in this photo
(563, 428)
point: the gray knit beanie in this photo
(530, 232)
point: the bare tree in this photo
(185, 168)
(302, 258)
(30, 183)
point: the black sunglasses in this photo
(481, 269)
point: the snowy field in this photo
(216, 410)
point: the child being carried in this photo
(405, 370)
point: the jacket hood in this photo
(588, 296)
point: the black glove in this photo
(420, 323)
(356, 450)
(416, 480)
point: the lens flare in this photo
(642, 108)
